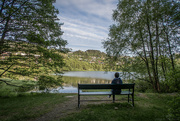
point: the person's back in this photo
(116, 80)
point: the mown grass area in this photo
(21, 86)
(28, 106)
(148, 107)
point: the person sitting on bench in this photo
(116, 80)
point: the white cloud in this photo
(81, 32)
(75, 22)
(86, 22)
(102, 8)
(84, 30)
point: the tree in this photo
(147, 30)
(30, 42)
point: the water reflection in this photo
(91, 74)
(65, 89)
(71, 83)
(71, 79)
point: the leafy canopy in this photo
(30, 42)
(146, 30)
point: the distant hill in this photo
(96, 53)
(90, 60)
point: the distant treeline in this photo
(90, 60)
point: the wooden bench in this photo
(82, 87)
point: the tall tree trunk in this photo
(157, 56)
(170, 51)
(146, 60)
(152, 52)
(4, 35)
(163, 63)
(172, 59)
(163, 66)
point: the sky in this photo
(86, 22)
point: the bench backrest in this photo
(106, 86)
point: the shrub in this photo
(174, 110)
(141, 86)
(46, 82)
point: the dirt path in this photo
(69, 107)
(60, 110)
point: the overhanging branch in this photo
(7, 69)
(6, 82)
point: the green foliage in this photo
(31, 41)
(141, 86)
(19, 86)
(173, 80)
(36, 38)
(95, 53)
(144, 40)
(46, 82)
(174, 110)
(90, 60)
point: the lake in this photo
(71, 80)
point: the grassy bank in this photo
(148, 107)
(29, 106)
(21, 86)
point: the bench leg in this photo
(113, 98)
(78, 101)
(133, 100)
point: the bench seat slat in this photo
(95, 93)
(106, 86)
(104, 93)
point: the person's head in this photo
(116, 74)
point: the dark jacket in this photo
(116, 81)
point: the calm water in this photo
(91, 74)
(71, 80)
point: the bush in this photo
(173, 80)
(141, 86)
(10, 91)
(46, 82)
(174, 110)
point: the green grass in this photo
(148, 107)
(9, 91)
(24, 107)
